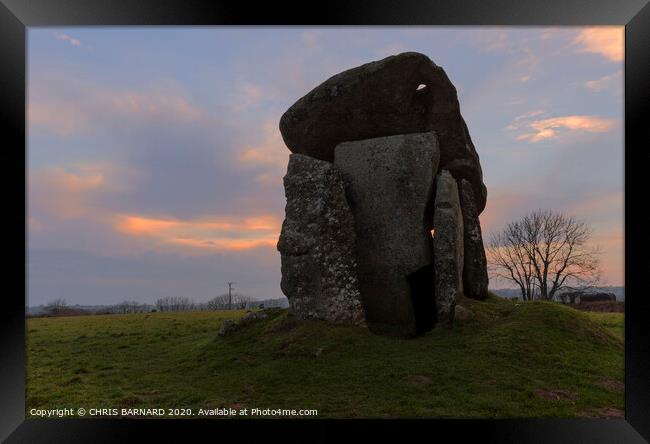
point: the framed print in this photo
(244, 219)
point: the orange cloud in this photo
(600, 204)
(59, 117)
(249, 94)
(271, 152)
(58, 195)
(549, 128)
(144, 226)
(497, 210)
(612, 244)
(611, 239)
(272, 179)
(72, 182)
(607, 41)
(70, 115)
(608, 233)
(224, 233)
(64, 192)
(612, 82)
(152, 103)
(493, 40)
(521, 120)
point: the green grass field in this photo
(614, 322)
(513, 359)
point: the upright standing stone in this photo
(447, 246)
(402, 94)
(475, 277)
(317, 244)
(389, 185)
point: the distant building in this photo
(595, 297)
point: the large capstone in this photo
(475, 277)
(447, 246)
(389, 185)
(317, 244)
(401, 94)
(357, 240)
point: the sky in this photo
(155, 162)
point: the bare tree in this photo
(57, 306)
(128, 307)
(545, 252)
(218, 302)
(241, 301)
(508, 259)
(175, 303)
(222, 302)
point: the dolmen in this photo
(384, 190)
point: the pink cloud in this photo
(93, 106)
(612, 244)
(499, 209)
(153, 103)
(521, 119)
(603, 203)
(248, 95)
(612, 82)
(269, 179)
(60, 197)
(269, 152)
(608, 231)
(63, 193)
(58, 117)
(606, 41)
(67, 38)
(552, 128)
(494, 40)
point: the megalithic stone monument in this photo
(384, 192)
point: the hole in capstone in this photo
(420, 87)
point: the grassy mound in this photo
(510, 359)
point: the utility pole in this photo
(230, 284)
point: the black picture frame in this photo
(17, 15)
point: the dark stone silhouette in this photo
(401, 94)
(381, 156)
(475, 277)
(317, 244)
(389, 183)
(447, 246)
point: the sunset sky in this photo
(155, 162)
